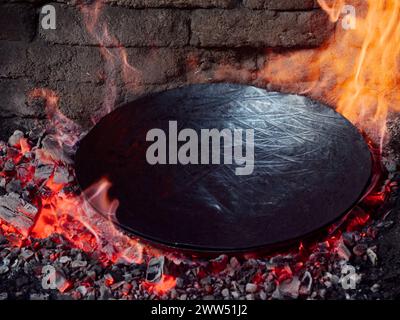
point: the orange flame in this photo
(113, 52)
(357, 70)
(65, 131)
(74, 218)
(166, 284)
(25, 147)
(333, 10)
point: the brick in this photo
(149, 27)
(152, 27)
(243, 27)
(78, 101)
(81, 102)
(9, 125)
(41, 62)
(281, 4)
(175, 3)
(156, 65)
(14, 99)
(48, 64)
(70, 28)
(65, 63)
(204, 59)
(13, 57)
(238, 66)
(17, 22)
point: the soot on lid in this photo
(288, 166)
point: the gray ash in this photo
(38, 261)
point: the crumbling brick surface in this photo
(17, 22)
(134, 47)
(258, 28)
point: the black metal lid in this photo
(311, 166)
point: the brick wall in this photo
(168, 43)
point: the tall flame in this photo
(357, 70)
(113, 52)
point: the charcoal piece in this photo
(43, 172)
(14, 186)
(55, 150)
(9, 166)
(155, 269)
(2, 182)
(62, 176)
(311, 166)
(17, 212)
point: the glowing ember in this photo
(63, 211)
(164, 285)
(356, 70)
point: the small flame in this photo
(166, 284)
(25, 147)
(333, 10)
(65, 131)
(76, 219)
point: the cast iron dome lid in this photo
(311, 166)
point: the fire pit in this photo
(304, 168)
(99, 227)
